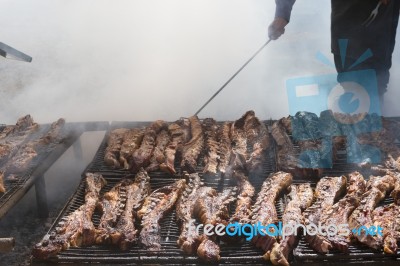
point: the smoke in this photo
(154, 59)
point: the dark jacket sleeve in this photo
(284, 9)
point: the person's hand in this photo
(385, 2)
(277, 28)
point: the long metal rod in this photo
(234, 75)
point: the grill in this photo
(17, 188)
(231, 254)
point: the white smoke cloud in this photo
(156, 59)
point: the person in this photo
(347, 22)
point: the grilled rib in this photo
(177, 139)
(154, 209)
(388, 218)
(327, 191)
(192, 149)
(114, 142)
(258, 138)
(212, 208)
(264, 208)
(158, 153)
(77, 228)
(125, 232)
(377, 187)
(244, 200)
(238, 155)
(300, 198)
(131, 142)
(225, 146)
(212, 149)
(141, 156)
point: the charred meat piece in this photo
(77, 228)
(192, 149)
(244, 199)
(212, 208)
(327, 191)
(300, 197)
(158, 153)
(377, 187)
(258, 138)
(388, 218)
(131, 142)
(125, 233)
(23, 124)
(154, 209)
(114, 142)
(339, 214)
(177, 139)
(141, 157)
(264, 209)
(211, 158)
(224, 137)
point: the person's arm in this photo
(282, 18)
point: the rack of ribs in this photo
(177, 139)
(130, 143)
(258, 138)
(76, 229)
(141, 157)
(264, 210)
(300, 198)
(154, 209)
(114, 141)
(192, 149)
(212, 149)
(388, 218)
(158, 157)
(377, 188)
(237, 160)
(327, 191)
(224, 138)
(212, 208)
(246, 193)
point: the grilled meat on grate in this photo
(141, 157)
(264, 210)
(212, 147)
(192, 149)
(224, 137)
(212, 208)
(158, 157)
(77, 228)
(177, 139)
(244, 199)
(114, 142)
(300, 198)
(125, 231)
(327, 191)
(131, 142)
(154, 209)
(237, 160)
(377, 187)
(388, 218)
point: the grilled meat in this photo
(23, 125)
(154, 208)
(192, 149)
(225, 146)
(388, 218)
(177, 139)
(212, 208)
(141, 157)
(158, 153)
(258, 138)
(131, 142)
(300, 198)
(211, 158)
(339, 214)
(327, 191)
(114, 142)
(77, 228)
(377, 187)
(238, 155)
(244, 200)
(125, 232)
(264, 209)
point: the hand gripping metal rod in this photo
(234, 75)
